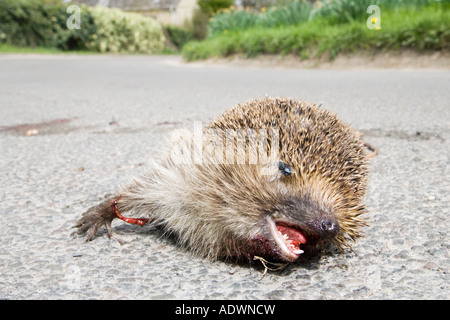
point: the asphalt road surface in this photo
(75, 128)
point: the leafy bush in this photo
(70, 39)
(293, 13)
(347, 10)
(212, 6)
(24, 23)
(179, 36)
(33, 23)
(199, 24)
(119, 31)
(230, 20)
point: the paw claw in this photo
(93, 219)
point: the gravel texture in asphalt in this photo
(75, 128)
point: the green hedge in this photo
(119, 31)
(32, 23)
(422, 29)
(24, 23)
(179, 36)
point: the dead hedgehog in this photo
(271, 179)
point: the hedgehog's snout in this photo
(329, 226)
(308, 214)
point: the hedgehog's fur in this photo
(230, 210)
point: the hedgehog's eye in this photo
(285, 169)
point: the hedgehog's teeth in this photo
(287, 239)
(297, 251)
(284, 236)
(291, 243)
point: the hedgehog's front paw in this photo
(94, 218)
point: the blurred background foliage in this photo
(298, 12)
(225, 27)
(314, 28)
(42, 23)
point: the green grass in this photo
(9, 49)
(6, 48)
(300, 11)
(417, 28)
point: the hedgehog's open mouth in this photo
(288, 237)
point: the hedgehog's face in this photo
(293, 224)
(269, 208)
(298, 225)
